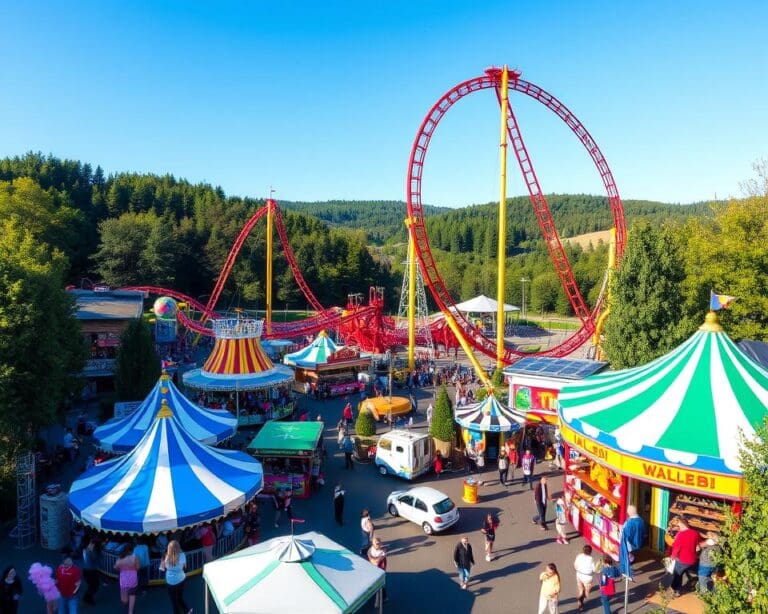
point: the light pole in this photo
(523, 281)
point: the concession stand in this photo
(329, 368)
(663, 436)
(288, 451)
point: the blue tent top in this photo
(205, 425)
(168, 481)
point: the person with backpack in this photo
(608, 576)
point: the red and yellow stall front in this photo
(664, 437)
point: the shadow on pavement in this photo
(440, 590)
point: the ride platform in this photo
(381, 407)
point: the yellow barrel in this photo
(470, 491)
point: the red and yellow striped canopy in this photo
(237, 357)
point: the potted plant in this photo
(443, 427)
(365, 430)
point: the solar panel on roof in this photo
(555, 367)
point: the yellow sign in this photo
(679, 478)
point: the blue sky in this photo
(322, 100)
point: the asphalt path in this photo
(421, 576)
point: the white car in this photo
(431, 509)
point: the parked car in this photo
(431, 509)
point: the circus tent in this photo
(168, 481)
(302, 573)
(316, 353)
(237, 361)
(204, 425)
(687, 409)
(489, 415)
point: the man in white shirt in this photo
(585, 567)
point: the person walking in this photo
(10, 591)
(549, 595)
(68, 579)
(366, 531)
(540, 497)
(91, 571)
(528, 461)
(377, 555)
(480, 462)
(471, 458)
(127, 567)
(585, 567)
(349, 447)
(173, 564)
(347, 413)
(561, 521)
(278, 501)
(503, 467)
(338, 504)
(514, 460)
(141, 552)
(683, 552)
(438, 462)
(490, 524)
(430, 409)
(708, 551)
(463, 560)
(608, 576)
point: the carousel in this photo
(168, 482)
(330, 369)
(487, 424)
(121, 435)
(240, 377)
(664, 437)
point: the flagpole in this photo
(626, 594)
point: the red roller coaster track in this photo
(492, 80)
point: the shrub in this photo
(365, 426)
(443, 428)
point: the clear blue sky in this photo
(323, 99)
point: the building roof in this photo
(112, 305)
(286, 437)
(564, 368)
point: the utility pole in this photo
(523, 281)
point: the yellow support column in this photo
(270, 216)
(502, 222)
(411, 297)
(603, 316)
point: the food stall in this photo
(287, 451)
(663, 436)
(331, 370)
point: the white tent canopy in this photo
(306, 573)
(483, 304)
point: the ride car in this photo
(432, 510)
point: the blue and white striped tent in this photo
(489, 415)
(205, 425)
(316, 353)
(168, 481)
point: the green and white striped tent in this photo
(686, 408)
(306, 573)
(316, 353)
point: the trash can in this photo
(470, 491)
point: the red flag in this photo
(297, 520)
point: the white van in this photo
(404, 453)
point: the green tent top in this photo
(286, 439)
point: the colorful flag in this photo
(720, 301)
(298, 520)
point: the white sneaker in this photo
(488, 557)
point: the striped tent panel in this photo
(316, 353)
(237, 357)
(204, 425)
(488, 415)
(168, 481)
(687, 407)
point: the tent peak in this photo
(165, 410)
(711, 324)
(294, 550)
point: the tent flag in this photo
(720, 301)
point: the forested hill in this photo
(381, 219)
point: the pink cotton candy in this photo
(41, 577)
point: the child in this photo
(560, 521)
(608, 576)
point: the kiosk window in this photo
(399, 448)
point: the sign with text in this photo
(679, 478)
(525, 398)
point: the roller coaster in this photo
(365, 325)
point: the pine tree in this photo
(443, 428)
(744, 554)
(646, 299)
(365, 426)
(138, 365)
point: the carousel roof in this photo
(168, 481)
(205, 425)
(488, 415)
(302, 573)
(687, 407)
(316, 353)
